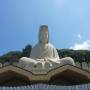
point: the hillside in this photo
(77, 55)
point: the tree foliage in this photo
(11, 56)
(26, 51)
(77, 55)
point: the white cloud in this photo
(81, 46)
(79, 36)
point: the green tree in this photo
(11, 57)
(77, 55)
(26, 51)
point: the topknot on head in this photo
(44, 27)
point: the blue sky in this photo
(68, 22)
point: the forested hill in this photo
(77, 55)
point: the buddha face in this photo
(43, 34)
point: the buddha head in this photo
(43, 34)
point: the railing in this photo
(46, 87)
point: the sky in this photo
(68, 23)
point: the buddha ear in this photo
(40, 41)
(48, 38)
(39, 37)
(48, 41)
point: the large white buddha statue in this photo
(44, 52)
(43, 49)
